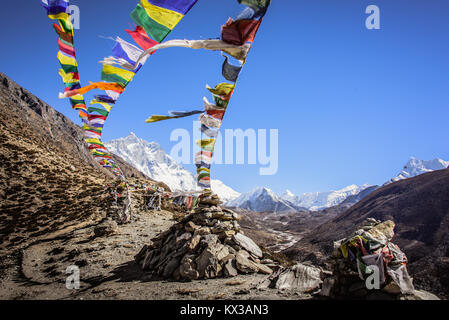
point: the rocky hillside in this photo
(48, 179)
(420, 208)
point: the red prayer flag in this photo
(141, 38)
(218, 114)
(66, 49)
(239, 32)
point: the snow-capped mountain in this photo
(415, 167)
(319, 200)
(225, 193)
(263, 200)
(151, 159)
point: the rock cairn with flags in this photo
(204, 245)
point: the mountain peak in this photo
(415, 167)
(262, 199)
(151, 159)
(321, 200)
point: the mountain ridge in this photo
(153, 161)
(262, 199)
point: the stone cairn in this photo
(206, 244)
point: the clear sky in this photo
(351, 104)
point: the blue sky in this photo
(351, 104)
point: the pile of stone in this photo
(351, 276)
(205, 244)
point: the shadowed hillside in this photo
(48, 179)
(420, 208)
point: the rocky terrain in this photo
(420, 208)
(58, 210)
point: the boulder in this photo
(420, 295)
(187, 269)
(208, 265)
(300, 278)
(248, 244)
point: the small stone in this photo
(392, 288)
(264, 269)
(244, 264)
(209, 240)
(227, 234)
(327, 287)
(229, 269)
(222, 253)
(183, 237)
(202, 231)
(267, 261)
(191, 227)
(170, 267)
(193, 243)
(187, 268)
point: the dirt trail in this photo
(108, 270)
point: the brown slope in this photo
(420, 208)
(48, 179)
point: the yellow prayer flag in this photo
(222, 89)
(165, 17)
(107, 106)
(156, 118)
(125, 74)
(67, 77)
(66, 60)
(59, 16)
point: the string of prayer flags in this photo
(115, 87)
(92, 126)
(155, 19)
(239, 34)
(57, 10)
(238, 52)
(173, 115)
